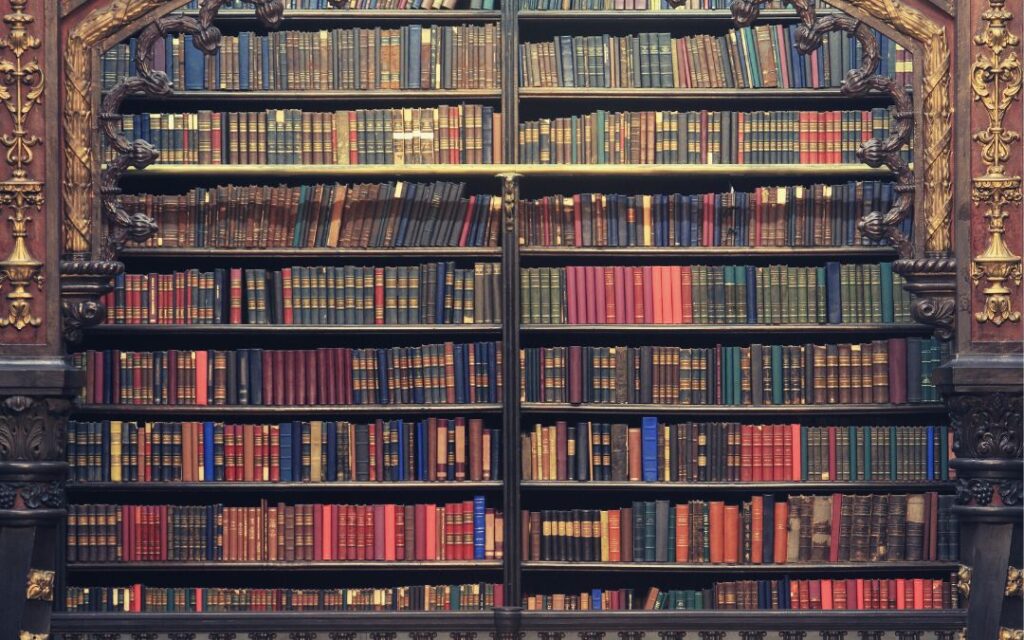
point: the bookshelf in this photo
(518, 182)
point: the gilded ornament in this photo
(1014, 583)
(21, 89)
(963, 580)
(28, 635)
(996, 83)
(40, 585)
(1011, 634)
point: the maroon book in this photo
(898, 370)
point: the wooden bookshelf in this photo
(512, 494)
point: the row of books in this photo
(827, 594)
(763, 530)
(784, 216)
(701, 137)
(893, 371)
(389, 214)
(699, 294)
(636, 5)
(431, 293)
(139, 598)
(733, 452)
(409, 57)
(458, 531)
(348, 5)
(763, 56)
(426, 450)
(445, 373)
(446, 134)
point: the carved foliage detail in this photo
(32, 429)
(986, 426)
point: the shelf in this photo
(494, 170)
(675, 94)
(859, 251)
(930, 409)
(279, 329)
(320, 16)
(905, 328)
(722, 568)
(446, 621)
(303, 567)
(396, 253)
(659, 16)
(600, 486)
(305, 96)
(147, 410)
(277, 487)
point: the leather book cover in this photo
(731, 534)
(631, 470)
(897, 370)
(626, 533)
(716, 518)
(879, 527)
(896, 534)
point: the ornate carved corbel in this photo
(832, 634)
(711, 635)
(551, 635)
(671, 635)
(1014, 583)
(963, 581)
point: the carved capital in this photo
(32, 428)
(40, 585)
(986, 426)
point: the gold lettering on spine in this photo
(996, 83)
(21, 89)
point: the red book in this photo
(629, 275)
(675, 294)
(833, 548)
(309, 355)
(648, 297)
(780, 470)
(686, 294)
(592, 286)
(898, 370)
(297, 379)
(756, 529)
(267, 360)
(318, 531)
(746, 452)
(792, 452)
(716, 517)
(851, 594)
(235, 289)
(575, 369)
(620, 294)
(606, 295)
(826, 595)
(781, 531)
(757, 453)
(378, 518)
(389, 548)
(731, 535)
(571, 295)
(658, 295)
(901, 594)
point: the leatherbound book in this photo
(877, 542)
(896, 534)
(821, 530)
(915, 527)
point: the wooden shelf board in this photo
(346, 565)
(258, 329)
(545, 94)
(495, 170)
(261, 487)
(313, 252)
(330, 95)
(597, 486)
(722, 568)
(143, 410)
(904, 328)
(445, 621)
(661, 15)
(861, 251)
(929, 409)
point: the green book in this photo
(886, 293)
(868, 471)
(737, 372)
(851, 441)
(777, 385)
(820, 300)
(942, 434)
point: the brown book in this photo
(879, 528)
(821, 529)
(915, 527)
(634, 449)
(626, 534)
(793, 529)
(622, 452)
(896, 527)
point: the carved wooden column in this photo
(982, 386)
(36, 383)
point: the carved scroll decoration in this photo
(996, 83)
(21, 89)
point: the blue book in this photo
(649, 448)
(296, 451)
(286, 452)
(751, 278)
(132, 48)
(400, 472)
(492, 371)
(442, 268)
(382, 377)
(888, 308)
(596, 595)
(208, 469)
(479, 528)
(169, 58)
(415, 34)
(265, 50)
(332, 450)
(244, 39)
(930, 442)
(195, 66)
(833, 296)
(421, 450)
